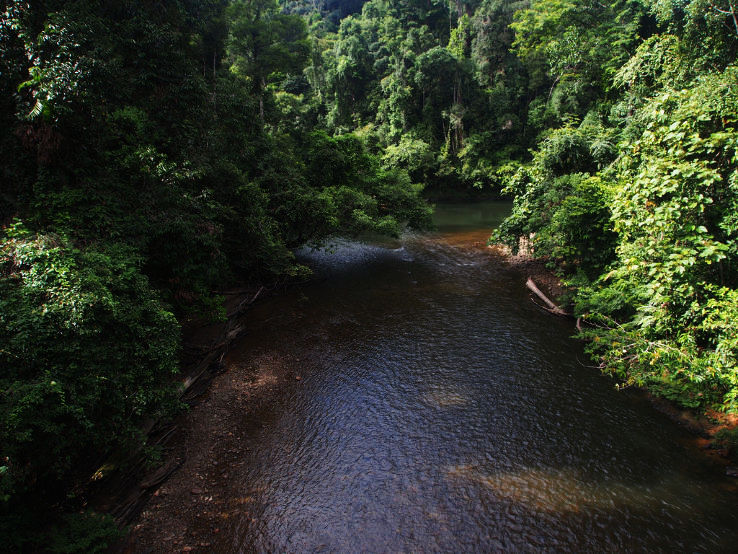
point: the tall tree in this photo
(263, 41)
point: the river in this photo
(435, 408)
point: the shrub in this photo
(87, 352)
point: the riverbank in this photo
(188, 443)
(187, 511)
(536, 269)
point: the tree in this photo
(263, 41)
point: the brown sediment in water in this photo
(522, 262)
(703, 426)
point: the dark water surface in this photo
(440, 410)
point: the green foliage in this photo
(412, 154)
(656, 63)
(639, 201)
(84, 533)
(567, 219)
(87, 351)
(707, 27)
(694, 366)
(560, 207)
(346, 191)
(394, 70)
(675, 217)
(460, 41)
(728, 439)
(262, 41)
(576, 47)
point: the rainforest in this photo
(158, 155)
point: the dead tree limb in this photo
(553, 308)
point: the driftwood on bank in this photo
(208, 366)
(550, 306)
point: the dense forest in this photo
(155, 151)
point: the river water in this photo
(438, 409)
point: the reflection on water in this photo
(440, 411)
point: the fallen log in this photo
(553, 308)
(160, 475)
(245, 303)
(199, 371)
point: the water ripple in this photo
(441, 411)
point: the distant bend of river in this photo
(440, 411)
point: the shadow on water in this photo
(439, 410)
